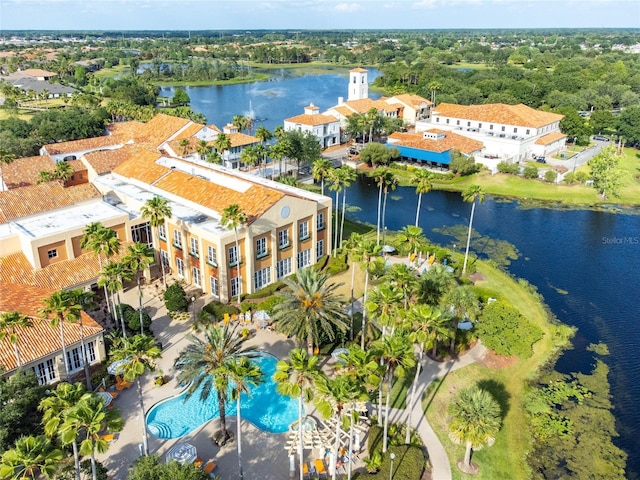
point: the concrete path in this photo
(441, 468)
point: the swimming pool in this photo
(175, 417)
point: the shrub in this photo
(246, 306)
(504, 330)
(570, 178)
(530, 171)
(463, 165)
(410, 468)
(550, 176)
(269, 304)
(512, 168)
(266, 291)
(337, 264)
(175, 298)
(217, 309)
(582, 177)
(132, 319)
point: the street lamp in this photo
(193, 302)
(393, 456)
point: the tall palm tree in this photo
(425, 325)
(473, 193)
(422, 180)
(203, 148)
(87, 419)
(412, 236)
(233, 216)
(204, 364)
(102, 241)
(57, 307)
(10, 324)
(390, 183)
(138, 258)
(240, 122)
(54, 408)
(383, 178)
(397, 356)
(383, 304)
(320, 170)
(351, 245)
(250, 156)
(245, 375)
(403, 277)
(336, 177)
(184, 146)
(141, 353)
(434, 87)
(463, 302)
(310, 308)
(113, 275)
(30, 457)
(348, 178)
(475, 421)
(369, 254)
(156, 210)
(295, 378)
(263, 134)
(85, 300)
(221, 143)
(434, 283)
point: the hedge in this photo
(217, 309)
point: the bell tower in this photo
(358, 84)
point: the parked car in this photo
(600, 138)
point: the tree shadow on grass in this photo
(499, 392)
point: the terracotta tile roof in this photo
(190, 148)
(343, 110)
(449, 142)
(126, 131)
(41, 339)
(190, 131)
(32, 199)
(85, 144)
(214, 127)
(104, 161)
(516, 115)
(358, 69)
(142, 166)
(412, 100)
(550, 138)
(162, 127)
(315, 119)
(77, 165)
(15, 268)
(242, 139)
(360, 106)
(25, 171)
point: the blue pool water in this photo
(265, 408)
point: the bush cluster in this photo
(175, 298)
(132, 319)
(269, 304)
(511, 168)
(217, 309)
(265, 292)
(337, 264)
(504, 330)
(410, 467)
(530, 171)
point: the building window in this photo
(515, 130)
(528, 131)
(320, 221)
(283, 239)
(304, 258)
(177, 239)
(437, 119)
(180, 265)
(468, 124)
(162, 232)
(194, 247)
(261, 247)
(320, 249)
(195, 271)
(52, 254)
(262, 278)
(283, 268)
(45, 372)
(447, 121)
(303, 230)
(503, 128)
(142, 234)
(211, 256)
(164, 257)
(74, 359)
(479, 125)
(90, 352)
(235, 285)
(457, 122)
(233, 256)
(213, 284)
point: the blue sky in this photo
(313, 14)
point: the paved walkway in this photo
(441, 468)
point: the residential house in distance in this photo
(326, 128)
(37, 81)
(510, 133)
(39, 345)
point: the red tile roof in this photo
(26, 171)
(516, 115)
(83, 145)
(313, 120)
(549, 138)
(449, 142)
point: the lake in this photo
(585, 263)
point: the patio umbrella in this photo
(261, 315)
(105, 397)
(388, 249)
(182, 453)
(337, 352)
(117, 367)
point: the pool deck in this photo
(264, 454)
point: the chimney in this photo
(340, 100)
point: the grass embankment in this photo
(507, 457)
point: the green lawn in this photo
(507, 457)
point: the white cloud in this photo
(348, 7)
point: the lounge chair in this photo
(320, 468)
(198, 462)
(209, 467)
(121, 384)
(305, 470)
(108, 437)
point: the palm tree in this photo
(422, 180)
(263, 134)
(310, 308)
(57, 307)
(412, 236)
(63, 171)
(336, 176)
(348, 178)
(434, 87)
(463, 302)
(373, 120)
(156, 210)
(320, 170)
(29, 457)
(355, 125)
(425, 326)
(470, 195)
(138, 258)
(390, 183)
(351, 245)
(233, 216)
(240, 122)
(250, 156)
(397, 356)
(221, 143)
(10, 323)
(102, 241)
(476, 420)
(369, 254)
(383, 305)
(295, 378)
(184, 146)
(204, 365)
(434, 283)
(89, 417)
(141, 353)
(6, 157)
(384, 178)
(85, 300)
(203, 149)
(245, 375)
(54, 408)
(113, 275)
(402, 276)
